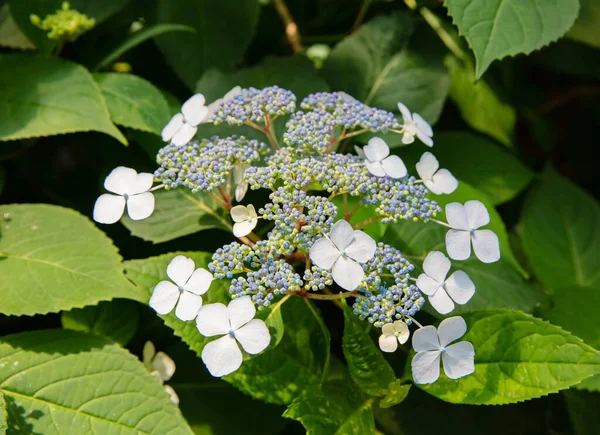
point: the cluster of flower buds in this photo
(310, 248)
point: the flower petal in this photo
(394, 167)
(477, 214)
(460, 287)
(427, 284)
(422, 125)
(188, 306)
(143, 183)
(240, 191)
(180, 269)
(239, 213)
(426, 367)
(109, 208)
(436, 265)
(451, 329)
(408, 138)
(241, 311)
(193, 109)
(164, 365)
(362, 247)
(172, 394)
(427, 166)
(456, 215)
(324, 253)
(172, 127)
(376, 150)
(388, 329)
(238, 172)
(458, 244)
(213, 319)
(252, 212)
(359, 152)
(444, 182)
(441, 302)
(375, 168)
(254, 336)
(341, 234)
(241, 229)
(425, 338)
(185, 134)
(164, 297)
(222, 356)
(406, 115)
(402, 330)
(140, 206)
(121, 180)
(459, 360)
(199, 282)
(388, 343)
(486, 246)
(424, 138)
(347, 273)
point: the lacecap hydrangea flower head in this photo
(305, 241)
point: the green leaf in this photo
(498, 284)
(587, 26)
(59, 381)
(10, 35)
(215, 44)
(3, 415)
(366, 364)
(335, 408)
(397, 392)
(517, 357)
(45, 96)
(478, 161)
(561, 234)
(583, 411)
(53, 259)
(375, 66)
(21, 10)
(362, 213)
(177, 214)
(134, 102)
(137, 38)
(479, 104)
(117, 320)
(499, 28)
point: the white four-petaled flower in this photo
(343, 251)
(236, 324)
(245, 219)
(131, 189)
(437, 180)
(379, 162)
(161, 366)
(392, 334)
(415, 125)
(431, 344)
(241, 186)
(190, 284)
(441, 291)
(465, 221)
(183, 126)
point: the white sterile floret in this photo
(237, 324)
(464, 221)
(342, 252)
(441, 291)
(212, 107)
(131, 189)
(415, 125)
(392, 334)
(241, 186)
(161, 366)
(245, 219)
(431, 344)
(190, 284)
(437, 180)
(183, 126)
(379, 162)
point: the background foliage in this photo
(512, 87)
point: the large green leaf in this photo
(177, 214)
(499, 28)
(10, 35)
(587, 26)
(561, 234)
(335, 408)
(117, 319)
(374, 66)
(224, 30)
(45, 96)
(478, 161)
(134, 102)
(59, 381)
(3, 415)
(53, 259)
(517, 357)
(498, 284)
(478, 102)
